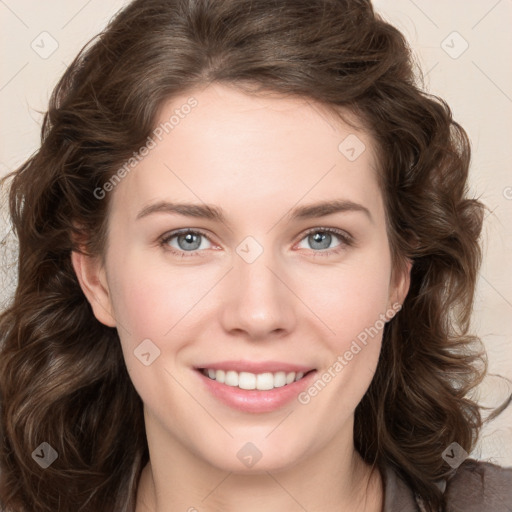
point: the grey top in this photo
(475, 486)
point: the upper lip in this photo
(256, 366)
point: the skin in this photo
(257, 158)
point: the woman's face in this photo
(281, 265)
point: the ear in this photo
(92, 278)
(400, 283)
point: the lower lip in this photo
(253, 400)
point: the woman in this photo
(246, 271)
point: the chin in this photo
(255, 457)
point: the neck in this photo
(333, 478)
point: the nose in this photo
(260, 303)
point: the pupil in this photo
(320, 237)
(190, 238)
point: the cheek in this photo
(161, 303)
(348, 299)
(143, 311)
(352, 301)
(153, 303)
(150, 299)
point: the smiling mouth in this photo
(253, 381)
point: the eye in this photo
(320, 239)
(184, 241)
(194, 242)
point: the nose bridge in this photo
(259, 302)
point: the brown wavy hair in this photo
(62, 375)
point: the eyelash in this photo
(346, 241)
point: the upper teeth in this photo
(246, 380)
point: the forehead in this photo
(222, 106)
(219, 144)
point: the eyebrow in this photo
(210, 212)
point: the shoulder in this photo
(479, 486)
(475, 486)
(398, 496)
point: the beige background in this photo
(464, 48)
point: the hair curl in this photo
(62, 375)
